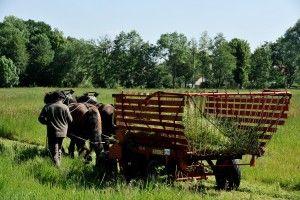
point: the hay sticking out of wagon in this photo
(212, 135)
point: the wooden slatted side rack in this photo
(161, 113)
(158, 114)
(261, 111)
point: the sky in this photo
(254, 20)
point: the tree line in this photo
(34, 54)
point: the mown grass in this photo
(26, 172)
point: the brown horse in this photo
(107, 116)
(86, 125)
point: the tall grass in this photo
(26, 172)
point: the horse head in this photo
(54, 96)
(89, 97)
(69, 97)
(65, 95)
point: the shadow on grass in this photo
(72, 173)
(2, 148)
(77, 174)
(6, 134)
(28, 153)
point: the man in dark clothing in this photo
(56, 116)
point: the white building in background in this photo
(199, 82)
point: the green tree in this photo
(74, 62)
(286, 54)
(8, 73)
(205, 60)
(260, 68)
(146, 73)
(100, 66)
(223, 63)
(126, 58)
(41, 55)
(174, 47)
(240, 49)
(13, 46)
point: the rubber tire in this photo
(156, 171)
(227, 177)
(136, 169)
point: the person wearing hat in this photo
(57, 117)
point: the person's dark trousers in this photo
(54, 146)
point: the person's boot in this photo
(57, 155)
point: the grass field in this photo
(27, 173)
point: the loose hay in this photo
(212, 135)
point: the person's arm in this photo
(69, 116)
(43, 116)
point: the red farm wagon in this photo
(174, 134)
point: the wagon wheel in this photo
(228, 176)
(156, 171)
(133, 164)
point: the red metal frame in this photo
(157, 145)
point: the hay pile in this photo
(210, 135)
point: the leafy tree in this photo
(205, 61)
(286, 54)
(101, 63)
(260, 68)
(146, 72)
(75, 59)
(18, 24)
(223, 63)
(41, 55)
(240, 49)
(174, 48)
(8, 73)
(126, 59)
(13, 46)
(192, 64)
(206, 43)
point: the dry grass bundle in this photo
(211, 135)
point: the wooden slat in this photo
(149, 115)
(242, 119)
(265, 137)
(153, 140)
(149, 109)
(263, 143)
(149, 122)
(150, 102)
(147, 129)
(262, 129)
(246, 113)
(249, 100)
(248, 106)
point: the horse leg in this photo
(72, 148)
(84, 151)
(96, 145)
(87, 156)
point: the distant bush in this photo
(8, 73)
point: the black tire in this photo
(133, 167)
(228, 177)
(156, 171)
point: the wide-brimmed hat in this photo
(52, 97)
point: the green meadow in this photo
(26, 172)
